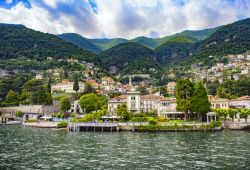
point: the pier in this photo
(104, 127)
(93, 127)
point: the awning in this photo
(211, 114)
(45, 117)
(110, 117)
(172, 113)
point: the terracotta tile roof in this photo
(242, 98)
(151, 97)
(121, 97)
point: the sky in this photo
(122, 18)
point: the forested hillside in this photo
(80, 41)
(129, 58)
(21, 46)
(174, 50)
(230, 39)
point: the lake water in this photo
(33, 148)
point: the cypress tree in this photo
(76, 84)
(49, 97)
(200, 103)
(184, 93)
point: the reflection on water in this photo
(29, 148)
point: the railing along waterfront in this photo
(101, 126)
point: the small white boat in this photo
(14, 123)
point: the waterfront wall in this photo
(39, 109)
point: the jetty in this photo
(93, 127)
(104, 127)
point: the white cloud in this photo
(50, 3)
(125, 18)
(9, 1)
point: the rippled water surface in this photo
(29, 148)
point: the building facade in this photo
(66, 87)
(142, 103)
(171, 87)
(240, 103)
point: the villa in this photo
(66, 87)
(241, 102)
(142, 103)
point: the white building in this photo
(75, 107)
(142, 103)
(39, 76)
(66, 87)
(241, 102)
(114, 102)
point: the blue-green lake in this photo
(33, 148)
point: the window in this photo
(132, 98)
(132, 105)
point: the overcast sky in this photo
(122, 18)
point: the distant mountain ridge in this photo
(139, 55)
(102, 44)
(80, 41)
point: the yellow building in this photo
(171, 87)
(219, 103)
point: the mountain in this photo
(148, 42)
(25, 48)
(129, 58)
(80, 41)
(98, 45)
(175, 49)
(106, 43)
(230, 39)
(197, 35)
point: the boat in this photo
(13, 123)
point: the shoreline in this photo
(130, 128)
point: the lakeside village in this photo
(105, 104)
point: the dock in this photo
(104, 127)
(93, 127)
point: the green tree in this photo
(64, 104)
(89, 102)
(184, 93)
(200, 103)
(37, 92)
(231, 113)
(122, 111)
(222, 113)
(49, 85)
(163, 91)
(142, 90)
(103, 100)
(49, 97)
(213, 86)
(65, 73)
(245, 113)
(12, 98)
(221, 92)
(88, 88)
(76, 84)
